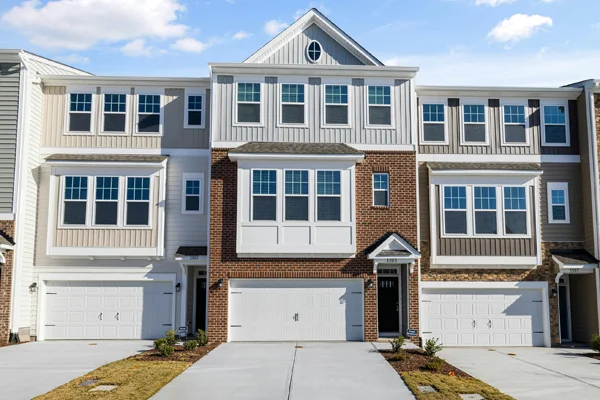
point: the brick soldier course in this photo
(6, 273)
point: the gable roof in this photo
(314, 16)
(394, 246)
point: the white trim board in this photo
(46, 151)
(504, 158)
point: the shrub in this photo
(397, 343)
(159, 342)
(170, 337)
(190, 345)
(201, 338)
(435, 364)
(165, 350)
(400, 355)
(595, 342)
(432, 347)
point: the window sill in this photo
(556, 145)
(426, 143)
(114, 134)
(368, 126)
(104, 227)
(78, 133)
(380, 207)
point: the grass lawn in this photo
(449, 387)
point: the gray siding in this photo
(494, 118)
(9, 116)
(224, 129)
(294, 51)
(586, 179)
(176, 136)
(573, 231)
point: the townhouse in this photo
(308, 193)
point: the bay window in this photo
(485, 210)
(75, 200)
(296, 195)
(328, 196)
(138, 201)
(107, 200)
(515, 210)
(455, 210)
(264, 195)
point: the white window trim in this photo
(380, 190)
(192, 177)
(367, 85)
(118, 201)
(470, 210)
(80, 90)
(150, 201)
(564, 103)
(88, 210)
(194, 92)
(320, 54)
(291, 81)
(474, 102)
(147, 91)
(308, 195)
(278, 217)
(515, 102)
(433, 100)
(558, 186)
(317, 195)
(255, 79)
(127, 93)
(336, 82)
(499, 219)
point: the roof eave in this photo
(474, 91)
(63, 80)
(358, 158)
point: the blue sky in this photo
(454, 42)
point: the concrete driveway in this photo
(279, 371)
(30, 369)
(533, 372)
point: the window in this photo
(80, 112)
(515, 210)
(474, 131)
(336, 104)
(455, 210)
(149, 119)
(107, 200)
(292, 103)
(248, 103)
(115, 113)
(296, 195)
(380, 105)
(313, 51)
(555, 131)
(558, 203)
(485, 210)
(192, 198)
(75, 200)
(138, 201)
(515, 128)
(434, 123)
(381, 189)
(194, 110)
(264, 195)
(328, 196)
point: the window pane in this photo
(336, 115)
(455, 197)
(380, 198)
(195, 103)
(380, 115)
(559, 213)
(106, 212)
(137, 213)
(475, 133)
(192, 203)
(328, 209)
(264, 208)
(516, 222)
(292, 114)
(114, 122)
(455, 222)
(514, 198)
(380, 181)
(149, 123)
(433, 133)
(296, 208)
(292, 93)
(514, 114)
(114, 103)
(314, 51)
(107, 188)
(80, 122)
(336, 94)
(296, 182)
(192, 187)
(138, 189)
(515, 134)
(81, 102)
(433, 113)
(249, 92)
(264, 182)
(485, 198)
(379, 95)
(194, 117)
(485, 222)
(149, 103)
(474, 113)
(554, 115)
(248, 112)
(328, 183)
(556, 134)
(74, 212)
(76, 187)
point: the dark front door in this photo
(388, 304)
(201, 304)
(563, 307)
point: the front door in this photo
(201, 304)
(563, 307)
(388, 304)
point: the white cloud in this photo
(596, 25)
(240, 35)
(320, 6)
(74, 59)
(493, 3)
(139, 48)
(273, 27)
(80, 24)
(190, 45)
(503, 69)
(518, 27)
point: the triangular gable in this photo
(395, 243)
(314, 17)
(44, 66)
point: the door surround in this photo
(567, 285)
(395, 271)
(197, 277)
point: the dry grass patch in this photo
(449, 387)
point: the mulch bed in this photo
(416, 360)
(178, 355)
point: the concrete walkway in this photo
(533, 372)
(31, 369)
(279, 371)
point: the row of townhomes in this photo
(306, 193)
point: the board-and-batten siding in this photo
(494, 120)
(225, 130)
(9, 116)
(174, 134)
(294, 51)
(571, 174)
(586, 180)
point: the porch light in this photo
(178, 287)
(33, 287)
(220, 283)
(553, 292)
(370, 284)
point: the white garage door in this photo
(107, 310)
(483, 317)
(287, 309)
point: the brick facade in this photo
(6, 273)
(372, 223)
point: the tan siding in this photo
(586, 179)
(573, 231)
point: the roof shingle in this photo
(573, 257)
(106, 157)
(296, 148)
(438, 166)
